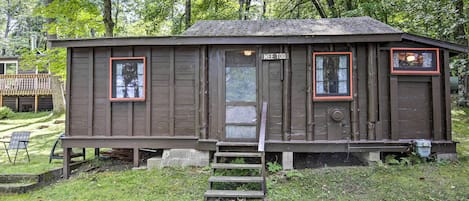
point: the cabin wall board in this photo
(298, 92)
(183, 98)
(128, 118)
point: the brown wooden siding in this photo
(168, 118)
(178, 103)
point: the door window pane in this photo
(240, 84)
(332, 74)
(241, 114)
(240, 131)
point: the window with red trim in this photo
(127, 78)
(424, 61)
(332, 79)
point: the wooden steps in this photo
(233, 194)
(237, 154)
(236, 179)
(237, 165)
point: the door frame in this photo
(222, 87)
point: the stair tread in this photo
(238, 154)
(16, 185)
(235, 166)
(234, 194)
(242, 144)
(240, 179)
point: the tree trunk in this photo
(188, 14)
(348, 5)
(240, 11)
(246, 9)
(332, 8)
(107, 18)
(50, 36)
(459, 30)
(319, 8)
(116, 14)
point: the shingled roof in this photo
(291, 27)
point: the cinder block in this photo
(447, 156)
(369, 158)
(287, 160)
(154, 163)
(185, 157)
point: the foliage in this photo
(274, 167)
(460, 125)
(5, 112)
(54, 59)
(72, 19)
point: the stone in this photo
(369, 158)
(446, 156)
(287, 160)
(185, 157)
(154, 163)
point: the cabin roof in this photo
(258, 32)
(291, 27)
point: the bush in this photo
(5, 112)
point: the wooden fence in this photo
(25, 84)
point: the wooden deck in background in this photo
(25, 85)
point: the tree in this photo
(107, 18)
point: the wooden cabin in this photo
(330, 85)
(24, 90)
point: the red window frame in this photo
(111, 78)
(415, 72)
(333, 98)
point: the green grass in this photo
(420, 182)
(425, 181)
(41, 142)
(165, 184)
(460, 120)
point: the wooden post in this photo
(67, 100)
(286, 96)
(36, 102)
(394, 107)
(436, 101)
(203, 93)
(136, 157)
(354, 104)
(90, 91)
(66, 168)
(1, 100)
(309, 101)
(148, 96)
(171, 90)
(372, 92)
(96, 153)
(447, 94)
(108, 103)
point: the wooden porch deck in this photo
(25, 85)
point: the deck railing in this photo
(25, 84)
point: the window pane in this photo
(343, 89)
(10, 69)
(240, 131)
(241, 114)
(319, 75)
(414, 60)
(332, 75)
(128, 78)
(240, 84)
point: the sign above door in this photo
(274, 56)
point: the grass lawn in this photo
(424, 181)
(41, 141)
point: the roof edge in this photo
(439, 43)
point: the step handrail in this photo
(261, 145)
(262, 130)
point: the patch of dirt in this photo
(319, 160)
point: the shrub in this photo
(5, 112)
(274, 167)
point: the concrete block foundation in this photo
(287, 160)
(180, 158)
(369, 158)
